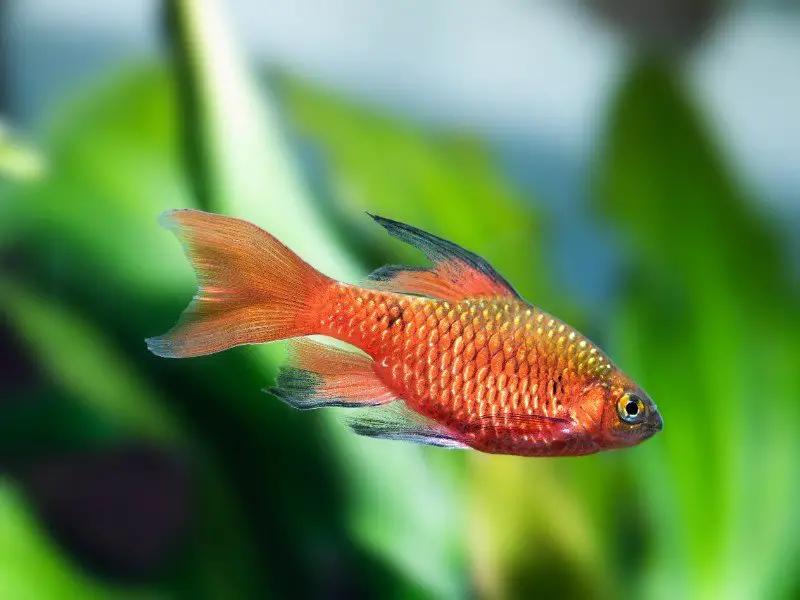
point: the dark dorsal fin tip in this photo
(439, 251)
(387, 272)
(432, 245)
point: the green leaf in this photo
(447, 184)
(18, 162)
(242, 167)
(111, 171)
(32, 568)
(708, 326)
(450, 185)
(78, 358)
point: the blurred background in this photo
(632, 166)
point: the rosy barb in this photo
(451, 355)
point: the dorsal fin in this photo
(456, 273)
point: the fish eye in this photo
(631, 408)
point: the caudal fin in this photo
(251, 288)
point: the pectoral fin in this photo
(318, 375)
(521, 424)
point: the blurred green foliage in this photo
(290, 505)
(29, 565)
(18, 161)
(708, 281)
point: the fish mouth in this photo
(658, 422)
(654, 424)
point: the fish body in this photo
(452, 355)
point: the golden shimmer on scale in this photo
(452, 355)
(473, 363)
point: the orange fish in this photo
(452, 355)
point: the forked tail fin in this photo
(252, 288)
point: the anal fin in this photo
(395, 421)
(318, 375)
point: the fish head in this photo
(623, 414)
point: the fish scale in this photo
(458, 362)
(452, 355)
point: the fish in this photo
(447, 355)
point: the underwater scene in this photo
(631, 168)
